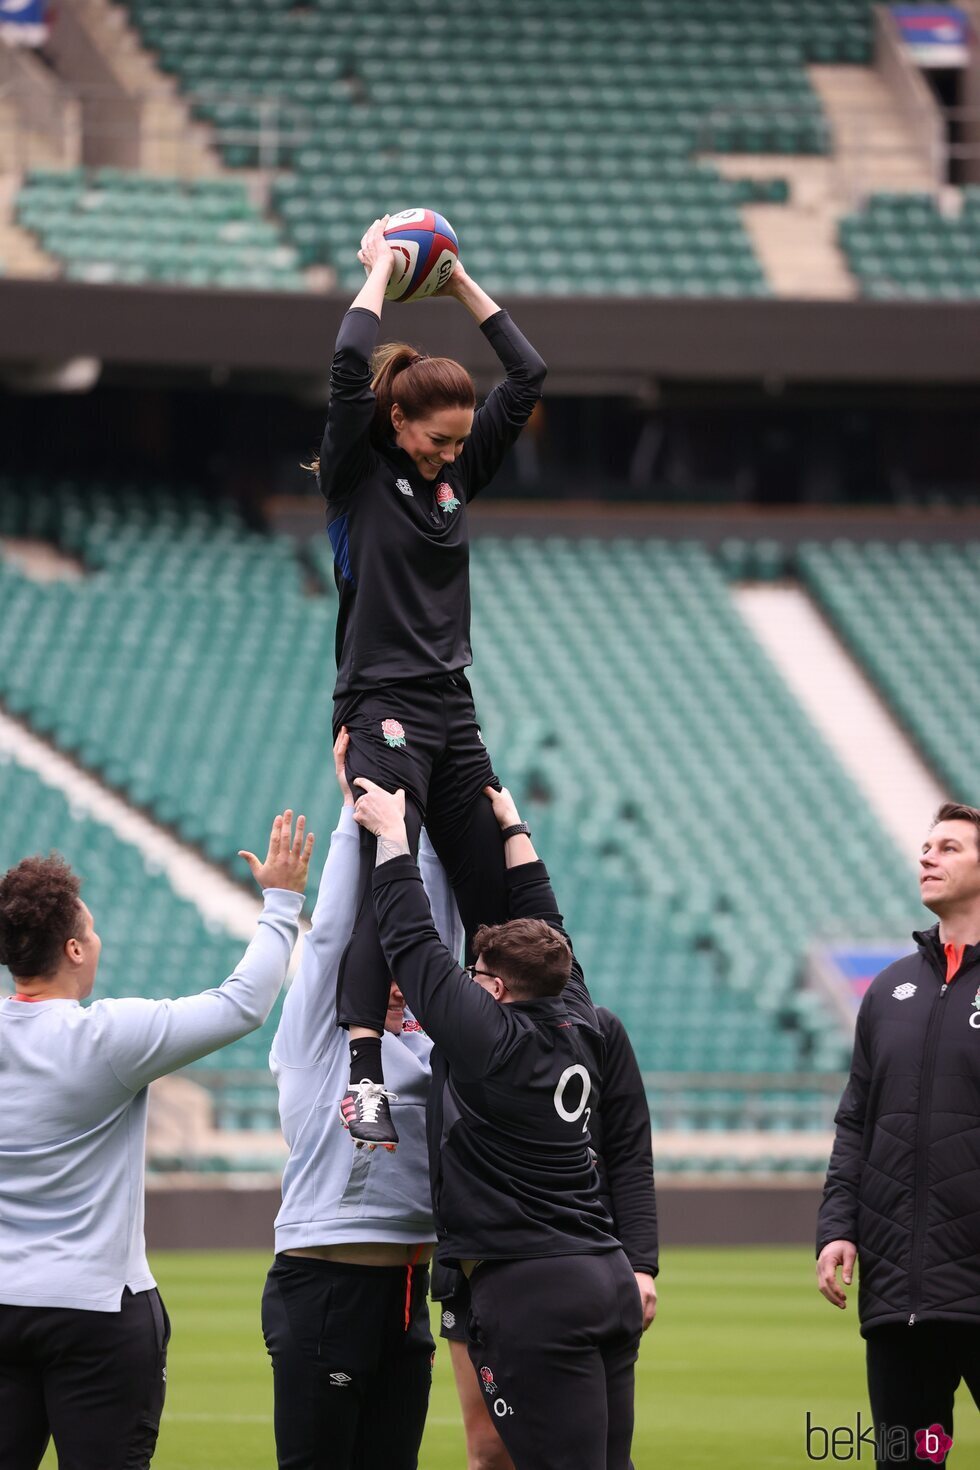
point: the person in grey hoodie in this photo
(345, 1311)
(83, 1331)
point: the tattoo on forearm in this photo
(390, 847)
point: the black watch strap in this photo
(516, 831)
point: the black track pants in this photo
(554, 1343)
(351, 1357)
(95, 1381)
(913, 1373)
(422, 736)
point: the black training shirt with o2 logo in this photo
(401, 542)
(513, 1087)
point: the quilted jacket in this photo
(904, 1177)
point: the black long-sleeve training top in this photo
(621, 1137)
(401, 542)
(511, 1169)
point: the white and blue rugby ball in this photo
(426, 250)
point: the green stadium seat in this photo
(543, 107)
(901, 247)
(115, 225)
(194, 631)
(911, 615)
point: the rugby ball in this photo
(426, 251)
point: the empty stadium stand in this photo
(690, 813)
(155, 944)
(561, 145)
(119, 225)
(911, 615)
(190, 640)
(906, 247)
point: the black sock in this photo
(365, 1059)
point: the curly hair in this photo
(532, 957)
(39, 913)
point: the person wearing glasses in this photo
(621, 1137)
(556, 1313)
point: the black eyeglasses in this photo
(472, 971)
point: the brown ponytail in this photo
(420, 385)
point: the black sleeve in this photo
(838, 1215)
(507, 409)
(467, 1024)
(345, 453)
(531, 896)
(627, 1148)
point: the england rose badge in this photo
(393, 733)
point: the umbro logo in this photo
(449, 1319)
(903, 992)
(405, 488)
(340, 1380)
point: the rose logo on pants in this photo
(393, 733)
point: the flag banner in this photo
(22, 22)
(854, 965)
(935, 35)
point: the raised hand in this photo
(504, 806)
(287, 862)
(375, 252)
(340, 765)
(462, 288)
(381, 812)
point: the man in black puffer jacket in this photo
(903, 1187)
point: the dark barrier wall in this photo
(205, 1219)
(592, 345)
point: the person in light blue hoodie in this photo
(345, 1310)
(83, 1331)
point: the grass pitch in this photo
(742, 1347)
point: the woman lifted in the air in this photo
(404, 451)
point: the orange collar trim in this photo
(954, 958)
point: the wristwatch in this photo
(515, 831)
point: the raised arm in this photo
(146, 1039)
(507, 409)
(308, 1026)
(837, 1221)
(345, 452)
(531, 896)
(462, 1019)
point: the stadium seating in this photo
(154, 943)
(902, 246)
(113, 225)
(190, 641)
(688, 810)
(560, 141)
(911, 614)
